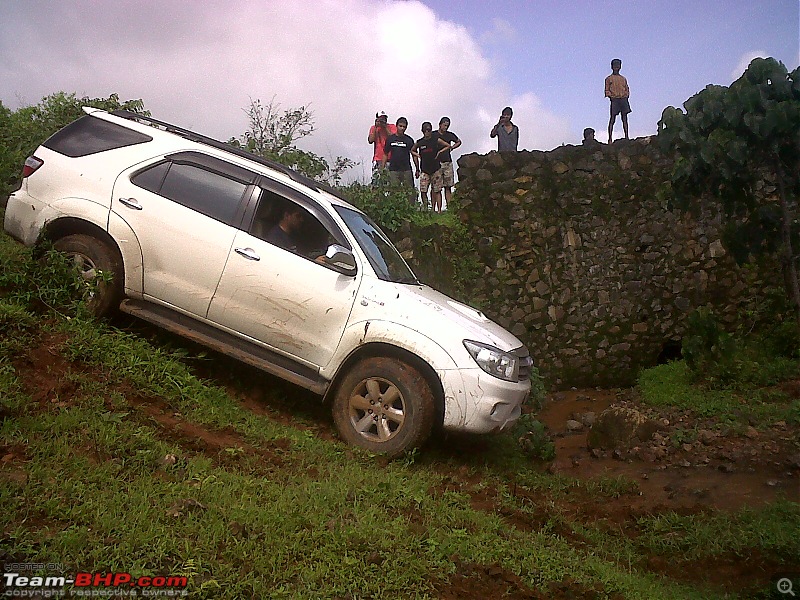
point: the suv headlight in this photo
(494, 361)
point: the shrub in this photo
(709, 350)
(784, 339)
(389, 206)
(49, 283)
(534, 439)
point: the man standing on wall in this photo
(446, 160)
(618, 92)
(378, 134)
(506, 132)
(430, 172)
(398, 150)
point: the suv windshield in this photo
(382, 255)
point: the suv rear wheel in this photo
(385, 406)
(100, 267)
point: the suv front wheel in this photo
(100, 267)
(385, 406)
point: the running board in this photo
(226, 343)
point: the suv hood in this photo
(426, 309)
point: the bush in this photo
(49, 283)
(709, 350)
(534, 439)
(389, 206)
(756, 359)
(784, 339)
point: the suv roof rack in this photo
(202, 139)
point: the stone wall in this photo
(583, 260)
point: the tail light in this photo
(31, 165)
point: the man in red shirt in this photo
(378, 134)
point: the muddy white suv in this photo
(195, 237)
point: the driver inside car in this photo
(291, 231)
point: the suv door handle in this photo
(248, 253)
(131, 203)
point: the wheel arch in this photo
(382, 349)
(63, 226)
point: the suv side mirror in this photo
(341, 259)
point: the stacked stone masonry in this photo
(585, 262)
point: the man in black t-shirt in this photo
(398, 149)
(428, 147)
(448, 175)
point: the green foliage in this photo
(784, 339)
(273, 134)
(772, 530)
(23, 130)
(464, 261)
(15, 317)
(739, 403)
(389, 206)
(741, 145)
(721, 360)
(47, 284)
(534, 439)
(708, 349)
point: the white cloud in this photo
(744, 62)
(197, 65)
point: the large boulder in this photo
(620, 427)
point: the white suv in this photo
(258, 262)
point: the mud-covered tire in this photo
(384, 405)
(92, 256)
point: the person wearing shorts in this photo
(618, 92)
(429, 172)
(448, 174)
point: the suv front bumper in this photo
(477, 402)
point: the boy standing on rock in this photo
(617, 91)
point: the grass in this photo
(673, 385)
(121, 453)
(772, 530)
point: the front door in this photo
(286, 298)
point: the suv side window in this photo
(152, 178)
(307, 237)
(89, 135)
(207, 192)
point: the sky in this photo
(199, 64)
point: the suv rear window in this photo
(89, 135)
(207, 192)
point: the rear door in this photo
(184, 210)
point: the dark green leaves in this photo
(741, 145)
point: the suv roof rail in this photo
(208, 141)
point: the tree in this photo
(272, 134)
(741, 144)
(23, 130)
